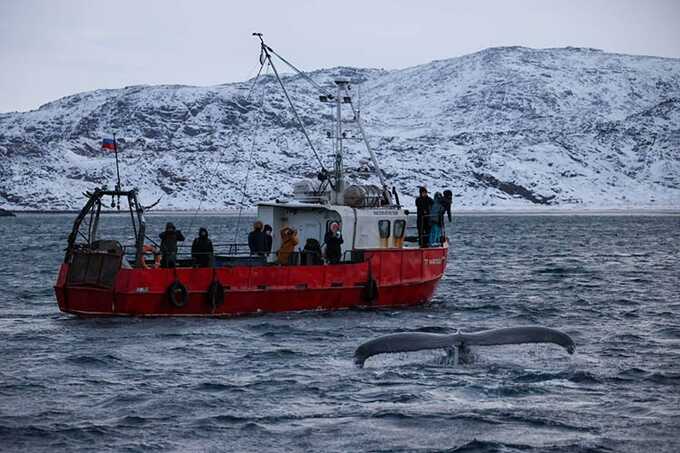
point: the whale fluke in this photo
(418, 341)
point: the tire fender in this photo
(215, 295)
(371, 290)
(178, 294)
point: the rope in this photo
(216, 162)
(297, 117)
(265, 51)
(244, 189)
(305, 76)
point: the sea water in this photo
(286, 382)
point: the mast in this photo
(115, 150)
(339, 175)
(342, 96)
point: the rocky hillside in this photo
(505, 127)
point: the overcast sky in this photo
(52, 48)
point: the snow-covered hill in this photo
(505, 127)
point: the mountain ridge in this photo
(505, 127)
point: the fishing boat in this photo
(380, 265)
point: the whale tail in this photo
(400, 342)
(418, 341)
(519, 335)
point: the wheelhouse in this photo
(362, 229)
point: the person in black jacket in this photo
(202, 250)
(169, 239)
(423, 207)
(448, 201)
(311, 253)
(257, 240)
(333, 240)
(268, 238)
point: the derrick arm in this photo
(94, 198)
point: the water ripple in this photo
(287, 382)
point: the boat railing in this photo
(238, 254)
(220, 248)
(226, 248)
(413, 231)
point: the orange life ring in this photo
(149, 249)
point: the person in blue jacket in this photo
(440, 206)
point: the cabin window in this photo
(384, 229)
(399, 228)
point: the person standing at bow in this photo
(423, 207)
(169, 239)
(440, 206)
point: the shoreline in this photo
(463, 212)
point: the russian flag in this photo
(109, 143)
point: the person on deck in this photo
(333, 240)
(289, 240)
(448, 201)
(169, 239)
(439, 207)
(268, 240)
(423, 207)
(257, 240)
(202, 250)
(311, 253)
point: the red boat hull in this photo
(403, 277)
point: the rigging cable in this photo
(266, 49)
(216, 162)
(295, 113)
(264, 52)
(305, 76)
(244, 189)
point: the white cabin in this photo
(362, 228)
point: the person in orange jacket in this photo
(289, 240)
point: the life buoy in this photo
(149, 249)
(215, 295)
(177, 293)
(371, 290)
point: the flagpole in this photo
(115, 150)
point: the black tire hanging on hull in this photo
(178, 294)
(216, 295)
(371, 291)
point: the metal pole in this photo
(115, 151)
(374, 158)
(339, 186)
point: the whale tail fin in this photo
(418, 341)
(519, 335)
(401, 342)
